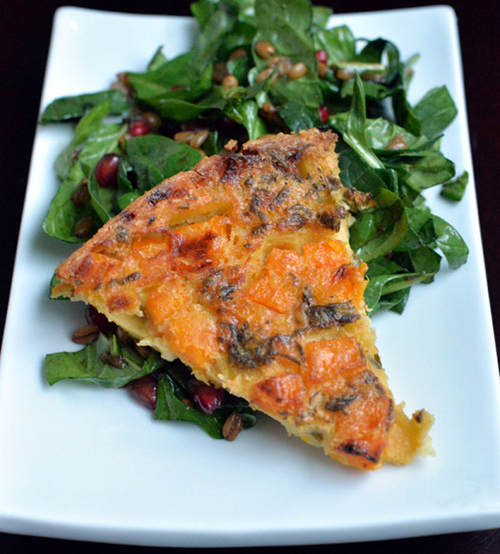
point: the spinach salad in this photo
(256, 67)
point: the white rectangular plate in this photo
(81, 462)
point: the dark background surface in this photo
(25, 28)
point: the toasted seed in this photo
(268, 108)
(85, 335)
(199, 138)
(124, 337)
(322, 69)
(143, 351)
(220, 72)
(297, 71)
(184, 136)
(270, 113)
(115, 361)
(274, 61)
(84, 228)
(230, 81)
(376, 77)
(264, 74)
(398, 142)
(237, 54)
(232, 426)
(282, 65)
(122, 84)
(345, 74)
(264, 49)
(81, 196)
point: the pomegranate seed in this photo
(324, 113)
(99, 320)
(208, 398)
(322, 56)
(139, 128)
(106, 170)
(144, 391)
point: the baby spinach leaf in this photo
(405, 116)
(378, 231)
(355, 133)
(73, 107)
(426, 262)
(307, 90)
(63, 215)
(384, 285)
(90, 124)
(155, 158)
(287, 25)
(436, 110)
(180, 109)
(356, 172)
(298, 117)
(174, 78)
(89, 364)
(169, 406)
(125, 199)
(102, 199)
(455, 189)
(380, 133)
(157, 60)
(211, 37)
(339, 43)
(174, 89)
(451, 244)
(247, 114)
(321, 16)
(172, 390)
(428, 170)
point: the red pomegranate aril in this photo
(99, 320)
(322, 56)
(139, 128)
(106, 171)
(144, 391)
(208, 398)
(324, 113)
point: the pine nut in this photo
(199, 138)
(297, 71)
(220, 72)
(232, 426)
(282, 64)
(264, 74)
(345, 74)
(237, 54)
(81, 196)
(398, 142)
(184, 136)
(322, 69)
(230, 81)
(264, 49)
(84, 227)
(85, 335)
(268, 108)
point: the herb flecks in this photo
(332, 315)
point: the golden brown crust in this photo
(242, 269)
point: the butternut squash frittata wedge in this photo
(242, 269)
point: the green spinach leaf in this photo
(90, 364)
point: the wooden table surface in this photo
(25, 28)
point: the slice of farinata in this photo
(242, 269)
